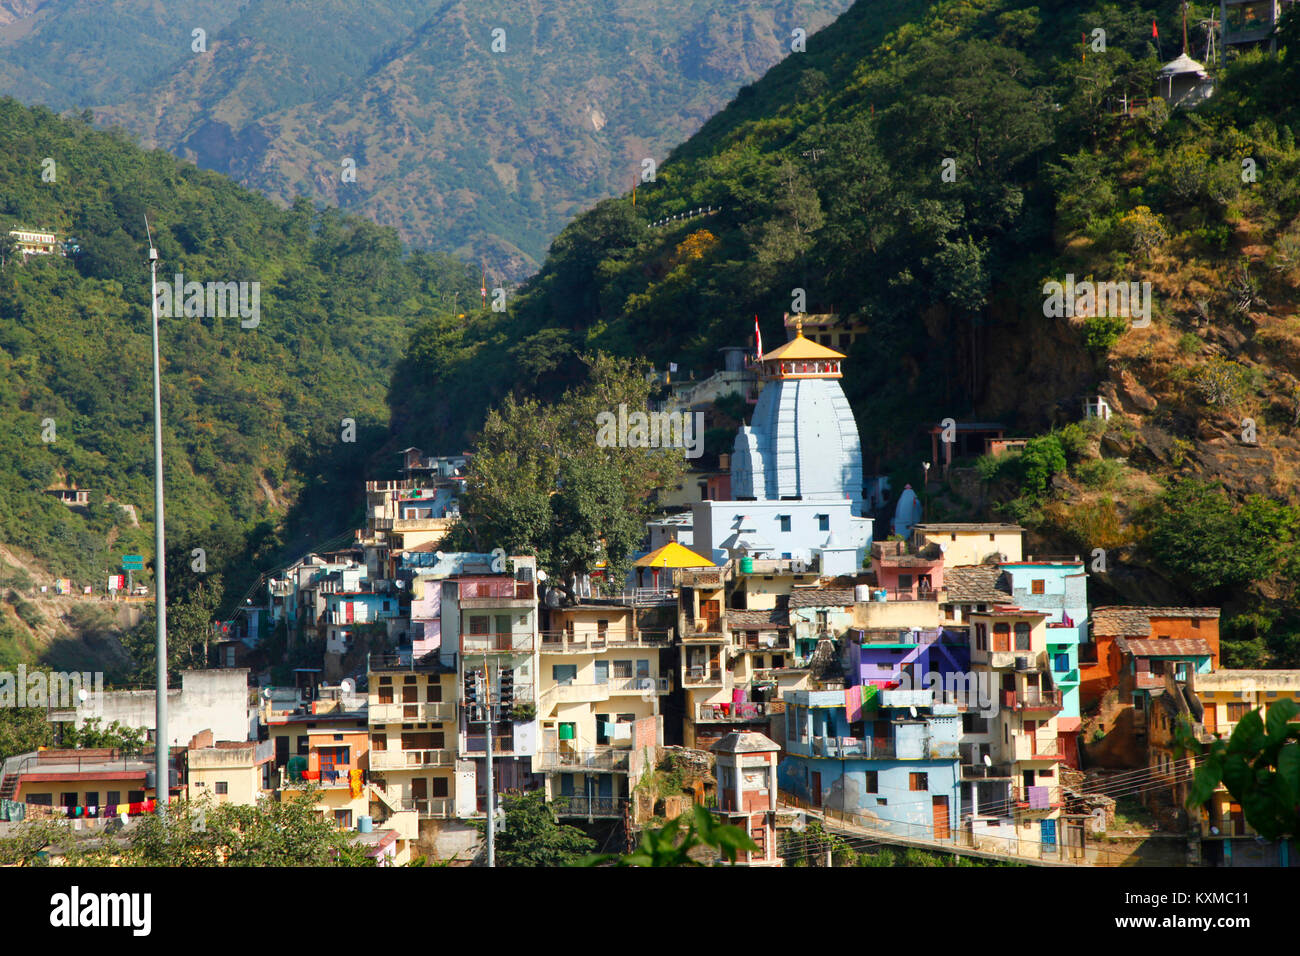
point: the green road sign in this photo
(132, 562)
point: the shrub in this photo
(1099, 473)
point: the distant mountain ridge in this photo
(462, 149)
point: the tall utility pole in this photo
(162, 779)
(491, 783)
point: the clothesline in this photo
(15, 810)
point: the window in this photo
(1060, 662)
(379, 741)
(625, 718)
(1037, 586)
(302, 746)
(135, 796)
(113, 797)
(343, 818)
(785, 522)
(823, 522)
(602, 672)
(40, 799)
(223, 788)
(981, 637)
(1236, 712)
(440, 786)
(386, 694)
(479, 624)
(872, 782)
(92, 798)
(622, 669)
(643, 668)
(1022, 636)
(564, 673)
(918, 781)
(435, 692)
(602, 629)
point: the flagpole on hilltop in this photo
(162, 778)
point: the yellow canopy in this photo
(673, 555)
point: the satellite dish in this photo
(266, 693)
(799, 825)
(912, 711)
(348, 685)
(437, 557)
(82, 695)
(988, 761)
(541, 575)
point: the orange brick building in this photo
(1100, 661)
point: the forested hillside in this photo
(253, 415)
(829, 174)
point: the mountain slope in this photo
(415, 95)
(253, 415)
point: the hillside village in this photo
(928, 686)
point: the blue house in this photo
(1058, 588)
(892, 764)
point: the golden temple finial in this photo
(798, 325)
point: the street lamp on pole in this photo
(162, 779)
(925, 490)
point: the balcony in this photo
(707, 631)
(839, 747)
(414, 524)
(979, 771)
(326, 779)
(1049, 797)
(782, 643)
(1038, 748)
(640, 685)
(1032, 698)
(562, 642)
(730, 713)
(496, 643)
(699, 676)
(435, 808)
(408, 713)
(570, 806)
(608, 760)
(410, 759)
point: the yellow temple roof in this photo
(673, 555)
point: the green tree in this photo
(1260, 766)
(532, 836)
(673, 843)
(22, 730)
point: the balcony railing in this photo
(702, 676)
(440, 808)
(730, 713)
(708, 629)
(410, 759)
(908, 594)
(1023, 800)
(1039, 748)
(322, 778)
(639, 685)
(1033, 698)
(980, 771)
(562, 642)
(853, 747)
(572, 806)
(396, 713)
(614, 760)
(496, 643)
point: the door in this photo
(1212, 718)
(281, 751)
(1047, 829)
(349, 606)
(710, 611)
(815, 789)
(420, 794)
(939, 812)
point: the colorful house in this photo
(890, 761)
(1099, 661)
(746, 768)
